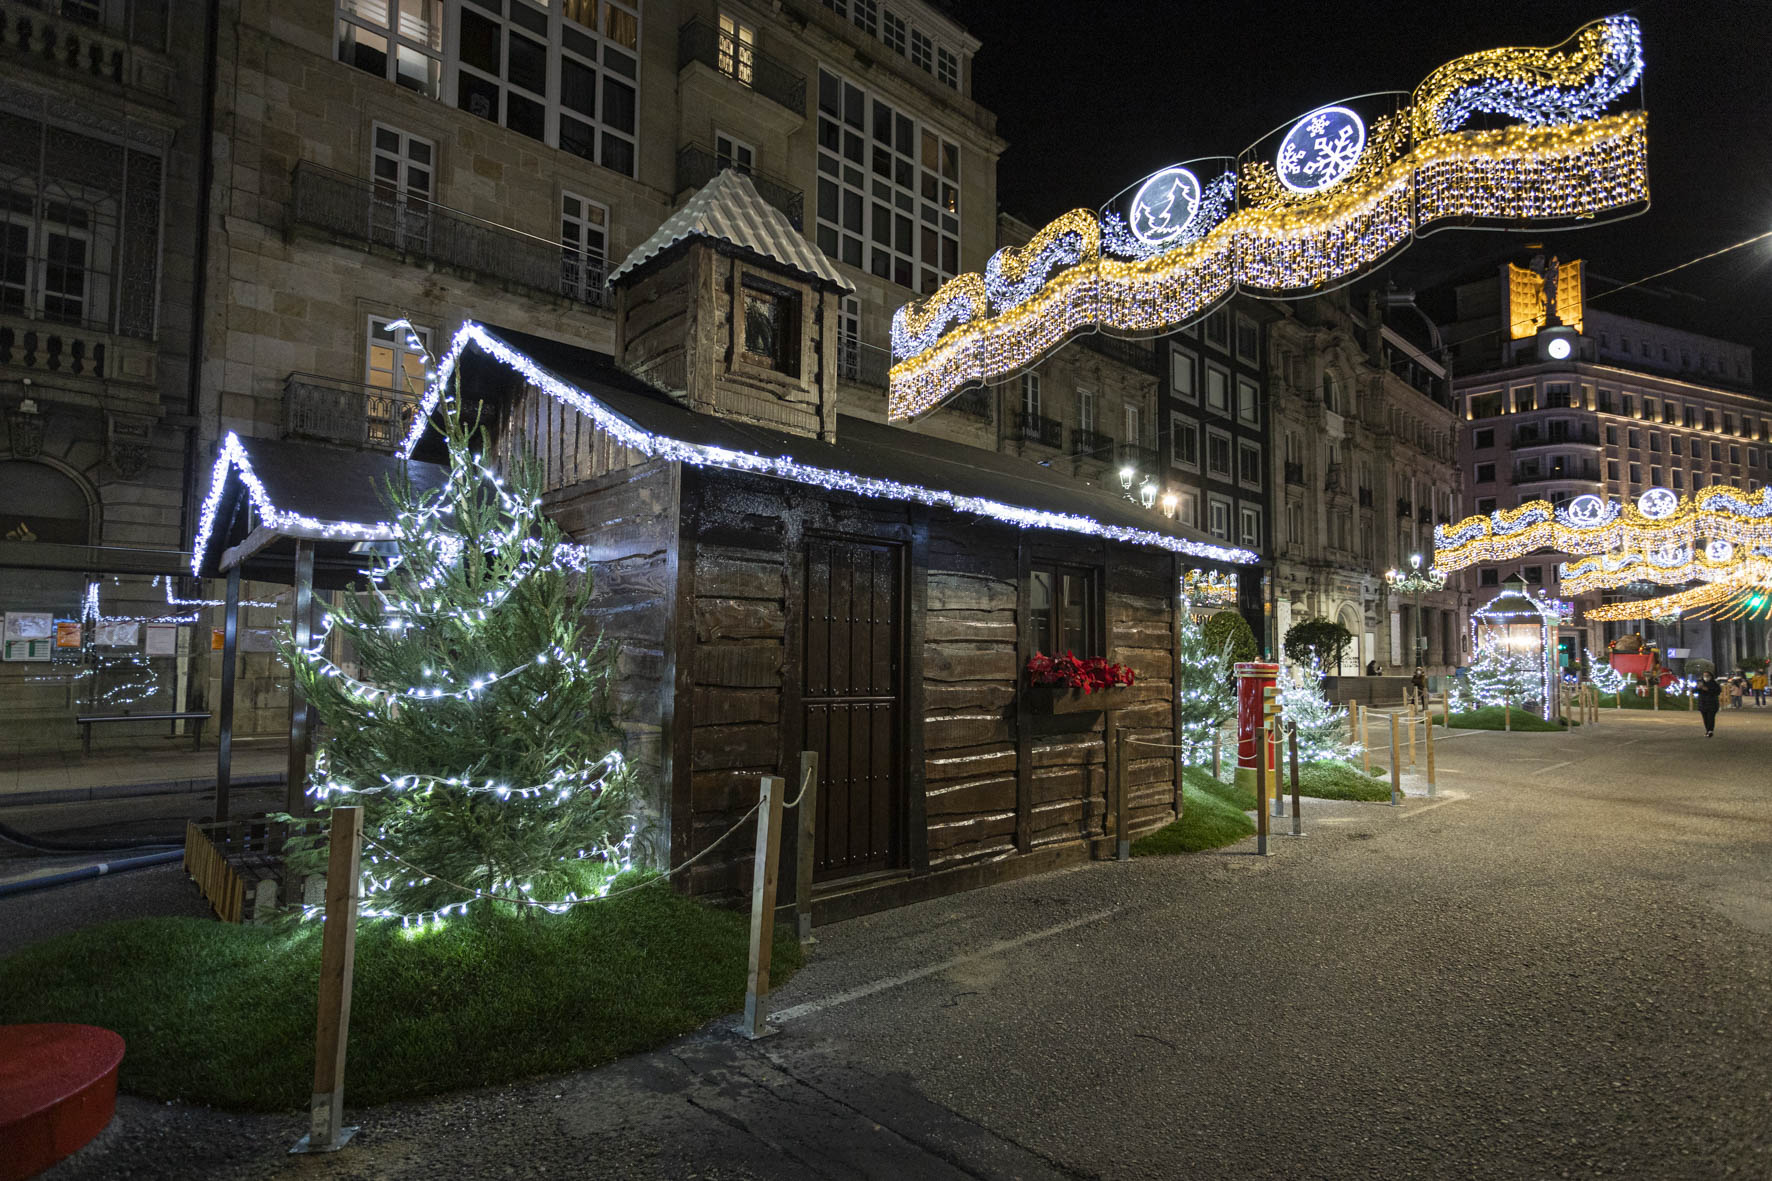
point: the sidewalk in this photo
(147, 767)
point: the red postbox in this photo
(1253, 677)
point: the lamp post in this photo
(1416, 581)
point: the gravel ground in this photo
(1560, 969)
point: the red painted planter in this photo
(58, 1089)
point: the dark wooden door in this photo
(853, 699)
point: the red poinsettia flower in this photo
(1074, 672)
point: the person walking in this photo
(1709, 693)
(1758, 685)
(1418, 684)
(1372, 669)
(1737, 691)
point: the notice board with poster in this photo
(28, 635)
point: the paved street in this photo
(1560, 968)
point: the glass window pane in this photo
(618, 153)
(419, 71)
(526, 64)
(525, 116)
(621, 28)
(578, 87)
(476, 95)
(1074, 615)
(479, 42)
(1040, 611)
(618, 105)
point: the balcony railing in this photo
(1140, 458)
(696, 166)
(701, 42)
(77, 37)
(1294, 473)
(376, 215)
(1087, 444)
(862, 363)
(1571, 470)
(1139, 354)
(1537, 436)
(342, 412)
(973, 403)
(1405, 509)
(1037, 428)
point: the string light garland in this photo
(1581, 528)
(1500, 649)
(785, 467)
(1304, 224)
(1209, 588)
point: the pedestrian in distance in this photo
(1737, 691)
(1709, 693)
(1372, 668)
(1758, 685)
(1418, 684)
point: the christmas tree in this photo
(1203, 687)
(1501, 675)
(1322, 726)
(1604, 677)
(476, 736)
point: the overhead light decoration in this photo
(1587, 526)
(1209, 588)
(1344, 187)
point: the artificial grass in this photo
(1207, 821)
(1668, 701)
(224, 1014)
(1490, 717)
(1336, 780)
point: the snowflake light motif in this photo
(1320, 150)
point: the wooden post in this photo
(1507, 711)
(224, 749)
(1365, 739)
(1655, 694)
(1122, 794)
(1446, 709)
(338, 956)
(1396, 763)
(1218, 752)
(756, 993)
(1412, 735)
(1292, 746)
(1431, 784)
(1261, 789)
(806, 845)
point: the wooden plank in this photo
(995, 794)
(721, 572)
(718, 747)
(766, 870)
(963, 696)
(971, 761)
(739, 619)
(969, 592)
(974, 729)
(912, 693)
(955, 661)
(753, 665)
(996, 627)
(721, 706)
(792, 723)
(338, 953)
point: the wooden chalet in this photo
(780, 576)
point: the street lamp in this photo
(1416, 581)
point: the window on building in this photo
(1218, 454)
(1556, 395)
(1248, 402)
(584, 239)
(1650, 409)
(1485, 473)
(1612, 436)
(1295, 522)
(1187, 508)
(888, 189)
(1669, 413)
(394, 359)
(1636, 438)
(1485, 505)
(399, 41)
(1526, 398)
(1131, 422)
(1716, 453)
(556, 77)
(922, 51)
(1086, 410)
(1218, 329)
(1655, 476)
(1030, 394)
(1636, 475)
(403, 168)
(1689, 417)
(1676, 445)
(733, 153)
(1249, 463)
(1655, 442)
(1679, 480)
(1062, 611)
(1249, 526)
(771, 327)
(1624, 345)
(1734, 455)
(1331, 394)
(947, 67)
(1248, 339)
(1484, 439)
(1627, 404)
(1710, 420)
(1218, 390)
(1753, 457)
(1533, 574)
(738, 49)
(1603, 402)
(894, 32)
(1218, 517)
(1728, 423)
(1184, 443)
(1181, 375)
(1612, 469)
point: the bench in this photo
(88, 721)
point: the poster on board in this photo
(118, 633)
(162, 639)
(28, 635)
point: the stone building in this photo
(1630, 405)
(1362, 464)
(102, 182)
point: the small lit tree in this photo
(1322, 726)
(1500, 675)
(1202, 689)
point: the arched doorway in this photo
(41, 503)
(1349, 617)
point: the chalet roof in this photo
(264, 494)
(729, 212)
(868, 458)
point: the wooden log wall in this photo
(1141, 606)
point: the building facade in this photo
(1363, 469)
(1632, 405)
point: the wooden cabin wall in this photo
(628, 519)
(569, 445)
(970, 671)
(1141, 617)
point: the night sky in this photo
(1093, 96)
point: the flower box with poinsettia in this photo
(1074, 684)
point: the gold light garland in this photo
(1553, 165)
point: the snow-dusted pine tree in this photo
(1322, 726)
(475, 731)
(1203, 688)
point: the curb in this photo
(76, 795)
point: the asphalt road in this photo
(1560, 968)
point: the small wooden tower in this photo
(732, 310)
